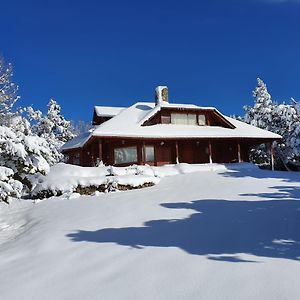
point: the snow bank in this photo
(13, 219)
(65, 178)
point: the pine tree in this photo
(53, 127)
(260, 115)
(61, 128)
(8, 92)
(22, 152)
(283, 119)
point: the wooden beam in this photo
(210, 152)
(177, 152)
(144, 153)
(100, 150)
(81, 158)
(92, 156)
(239, 153)
(272, 153)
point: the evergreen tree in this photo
(8, 92)
(283, 119)
(61, 128)
(53, 127)
(260, 115)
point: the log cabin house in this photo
(158, 133)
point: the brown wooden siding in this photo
(224, 152)
(193, 151)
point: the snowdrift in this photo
(68, 179)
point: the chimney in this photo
(161, 95)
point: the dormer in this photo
(183, 114)
(104, 113)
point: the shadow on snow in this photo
(219, 229)
(283, 176)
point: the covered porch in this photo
(157, 152)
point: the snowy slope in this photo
(205, 235)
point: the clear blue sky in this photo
(86, 53)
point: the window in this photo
(125, 155)
(183, 119)
(76, 158)
(149, 153)
(201, 120)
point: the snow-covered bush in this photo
(66, 179)
(8, 186)
(24, 154)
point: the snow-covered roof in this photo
(77, 142)
(128, 123)
(107, 111)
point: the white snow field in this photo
(226, 234)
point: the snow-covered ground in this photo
(222, 234)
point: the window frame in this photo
(147, 160)
(198, 119)
(184, 116)
(125, 162)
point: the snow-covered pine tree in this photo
(283, 119)
(8, 92)
(22, 151)
(61, 128)
(53, 127)
(289, 147)
(260, 115)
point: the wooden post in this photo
(100, 150)
(81, 158)
(239, 152)
(92, 161)
(210, 152)
(272, 155)
(177, 152)
(144, 153)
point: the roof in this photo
(77, 142)
(128, 123)
(107, 111)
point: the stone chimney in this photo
(161, 95)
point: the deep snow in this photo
(230, 234)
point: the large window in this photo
(125, 155)
(149, 153)
(183, 119)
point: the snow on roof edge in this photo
(77, 142)
(107, 111)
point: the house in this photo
(158, 133)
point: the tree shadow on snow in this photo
(281, 192)
(284, 176)
(219, 229)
